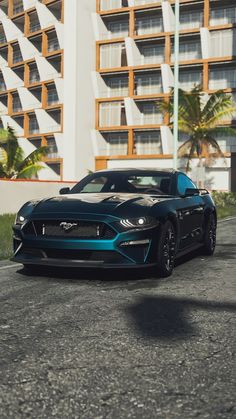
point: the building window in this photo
(116, 86)
(148, 23)
(223, 43)
(147, 142)
(53, 43)
(189, 49)
(149, 114)
(37, 42)
(118, 28)
(18, 6)
(112, 114)
(2, 35)
(52, 95)
(33, 124)
(222, 78)
(223, 15)
(16, 103)
(53, 150)
(147, 83)
(114, 144)
(152, 53)
(191, 19)
(34, 24)
(4, 56)
(113, 55)
(34, 76)
(113, 4)
(16, 54)
(188, 78)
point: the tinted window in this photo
(184, 183)
(150, 183)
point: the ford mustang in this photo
(120, 218)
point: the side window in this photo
(184, 183)
(96, 185)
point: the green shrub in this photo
(224, 199)
(6, 222)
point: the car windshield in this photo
(150, 183)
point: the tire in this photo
(31, 269)
(209, 242)
(166, 250)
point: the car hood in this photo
(120, 204)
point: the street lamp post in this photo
(176, 87)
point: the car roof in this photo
(132, 170)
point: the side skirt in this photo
(188, 249)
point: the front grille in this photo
(81, 255)
(69, 229)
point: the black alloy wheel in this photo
(166, 250)
(210, 236)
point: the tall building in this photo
(31, 76)
(85, 77)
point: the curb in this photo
(226, 219)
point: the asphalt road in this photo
(100, 345)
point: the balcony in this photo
(148, 114)
(144, 2)
(112, 114)
(147, 142)
(222, 78)
(189, 49)
(148, 83)
(189, 78)
(223, 43)
(223, 15)
(112, 4)
(115, 27)
(111, 143)
(114, 86)
(191, 19)
(151, 53)
(3, 38)
(113, 56)
(148, 23)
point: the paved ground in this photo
(100, 346)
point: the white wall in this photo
(14, 193)
(79, 110)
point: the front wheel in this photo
(209, 243)
(166, 250)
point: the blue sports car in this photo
(119, 218)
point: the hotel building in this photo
(100, 109)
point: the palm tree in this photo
(201, 121)
(13, 163)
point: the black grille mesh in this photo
(79, 229)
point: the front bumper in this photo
(128, 249)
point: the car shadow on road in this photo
(169, 317)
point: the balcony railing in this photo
(16, 105)
(223, 16)
(2, 86)
(191, 20)
(3, 39)
(222, 79)
(112, 4)
(149, 25)
(34, 26)
(18, 8)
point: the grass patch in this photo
(225, 212)
(6, 222)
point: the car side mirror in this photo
(191, 192)
(64, 191)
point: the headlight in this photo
(24, 212)
(141, 222)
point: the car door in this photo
(190, 212)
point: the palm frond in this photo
(34, 157)
(29, 171)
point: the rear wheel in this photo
(209, 243)
(166, 250)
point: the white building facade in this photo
(85, 77)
